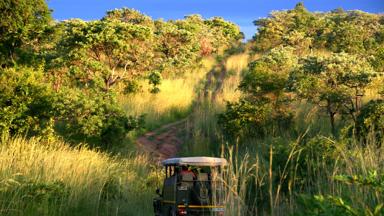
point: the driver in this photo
(185, 170)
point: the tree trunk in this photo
(331, 114)
(109, 82)
(357, 100)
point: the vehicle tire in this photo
(157, 207)
(201, 193)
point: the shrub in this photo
(26, 103)
(371, 121)
(334, 205)
(94, 117)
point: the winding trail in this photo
(166, 141)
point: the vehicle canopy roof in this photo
(195, 161)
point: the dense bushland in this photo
(298, 110)
(62, 78)
(74, 89)
(310, 133)
(304, 136)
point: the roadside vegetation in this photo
(305, 135)
(51, 178)
(172, 102)
(297, 111)
(74, 95)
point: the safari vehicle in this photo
(191, 187)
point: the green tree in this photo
(265, 105)
(224, 33)
(294, 27)
(101, 53)
(336, 83)
(244, 118)
(23, 23)
(27, 106)
(94, 117)
(354, 32)
(177, 48)
(128, 15)
(378, 60)
(195, 24)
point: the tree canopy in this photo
(23, 24)
(326, 59)
(61, 78)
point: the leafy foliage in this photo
(22, 25)
(333, 205)
(128, 15)
(370, 121)
(244, 118)
(101, 53)
(27, 106)
(336, 83)
(378, 60)
(307, 69)
(93, 117)
(69, 72)
(338, 31)
(265, 103)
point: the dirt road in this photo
(167, 141)
(164, 142)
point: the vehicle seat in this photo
(202, 177)
(187, 179)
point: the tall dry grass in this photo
(255, 186)
(234, 66)
(174, 100)
(41, 178)
(204, 137)
(269, 176)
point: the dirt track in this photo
(167, 141)
(164, 142)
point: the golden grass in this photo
(234, 65)
(172, 102)
(237, 62)
(251, 175)
(203, 124)
(91, 182)
(251, 172)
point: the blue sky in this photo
(242, 12)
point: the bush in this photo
(370, 121)
(94, 117)
(26, 103)
(29, 107)
(254, 119)
(334, 205)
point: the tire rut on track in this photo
(166, 141)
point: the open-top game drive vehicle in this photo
(192, 187)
